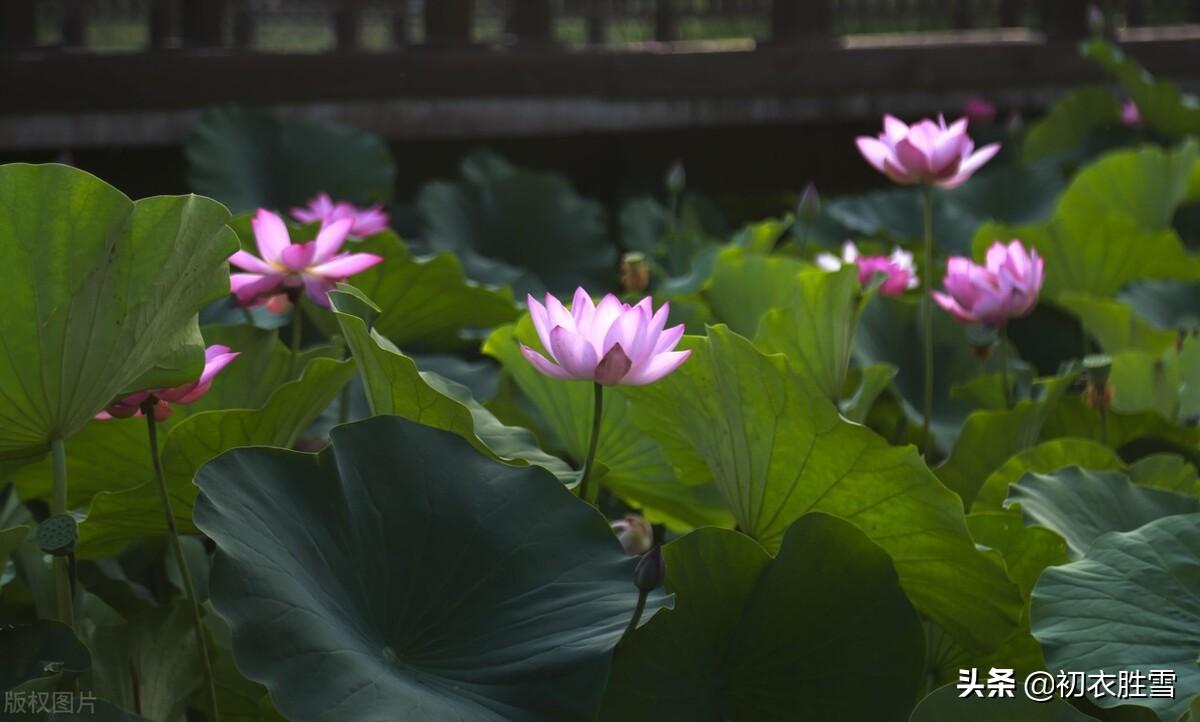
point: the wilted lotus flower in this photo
(1131, 115)
(286, 269)
(898, 269)
(635, 533)
(1006, 287)
(367, 221)
(979, 110)
(216, 357)
(928, 152)
(610, 343)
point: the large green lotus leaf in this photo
(1159, 102)
(118, 517)
(1112, 224)
(1170, 472)
(1027, 550)
(1145, 432)
(750, 639)
(873, 381)
(1132, 604)
(425, 300)
(1083, 505)
(523, 228)
(99, 711)
(39, 652)
(394, 386)
(151, 664)
(990, 437)
(1115, 325)
(101, 297)
(1070, 120)
(1165, 304)
(251, 159)
(489, 594)
(636, 469)
(945, 705)
(1044, 458)
(777, 449)
(815, 330)
(745, 285)
(890, 331)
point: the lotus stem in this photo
(177, 548)
(64, 578)
(927, 316)
(1008, 402)
(637, 614)
(297, 333)
(590, 493)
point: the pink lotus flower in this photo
(925, 153)
(898, 269)
(610, 343)
(979, 110)
(1131, 115)
(367, 221)
(216, 357)
(287, 268)
(1006, 287)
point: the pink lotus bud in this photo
(287, 268)
(809, 207)
(1006, 287)
(1131, 115)
(651, 571)
(979, 111)
(216, 358)
(898, 270)
(926, 153)
(366, 221)
(635, 533)
(610, 343)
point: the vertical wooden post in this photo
(1064, 20)
(203, 23)
(18, 23)
(1010, 13)
(347, 24)
(962, 15)
(400, 24)
(1194, 11)
(244, 26)
(666, 25)
(1135, 12)
(800, 20)
(448, 22)
(532, 21)
(74, 25)
(162, 24)
(597, 21)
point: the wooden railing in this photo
(343, 24)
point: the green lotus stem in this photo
(1004, 366)
(927, 315)
(297, 332)
(637, 614)
(1103, 426)
(586, 492)
(64, 579)
(177, 548)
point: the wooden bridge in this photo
(136, 72)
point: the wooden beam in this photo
(666, 24)
(1011, 12)
(347, 24)
(203, 23)
(1064, 20)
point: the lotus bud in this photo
(809, 206)
(982, 339)
(635, 534)
(651, 571)
(676, 178)
(1099, 392)
(635, 272)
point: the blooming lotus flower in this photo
(287, 268)
(928, 152)
(216, 357)
(898, 269)
(367, 221)
(635, 534)
(1131, 115)
(1006, 287)
(609, 343)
